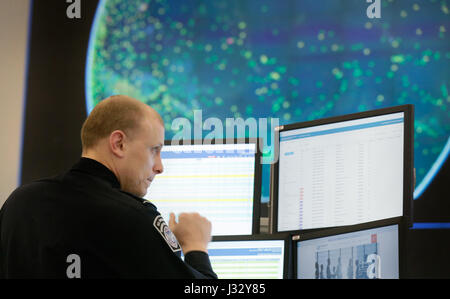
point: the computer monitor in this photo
(250, 257)
(219, 179)
(365, 251)
(344, 170)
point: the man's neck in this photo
(99, 157)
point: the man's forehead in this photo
(153, 120)
(153, 114)
(156, 131)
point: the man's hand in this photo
(193, 231)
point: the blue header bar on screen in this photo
(195, 154)
(244, 251)
(342, 129)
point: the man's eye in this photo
(156, 150)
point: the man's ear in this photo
(117, 143)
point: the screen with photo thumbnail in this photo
(366, 254)
(255, 259)
(214, 180)
(341, 173)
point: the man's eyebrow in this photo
(160, 145)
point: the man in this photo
(91, 222)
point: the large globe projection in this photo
(292, 60)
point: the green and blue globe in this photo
(291, 60)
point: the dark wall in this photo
(429, 249)
(55, 97)
(434, 204)
(55, 111)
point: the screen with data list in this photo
(366, 254)
(253, 259)
(215, 180)
(341, 173)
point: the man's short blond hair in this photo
(117, 112)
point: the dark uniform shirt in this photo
(83, 212)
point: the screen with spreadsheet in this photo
(341, 173)
(365, 254)
(248, 259)
(215, 180)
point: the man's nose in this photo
(158, 168)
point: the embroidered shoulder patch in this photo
(161, 226)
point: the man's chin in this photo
(142, 194)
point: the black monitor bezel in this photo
(408, 156)
(401, 222)
(286, 237)
(257, 168)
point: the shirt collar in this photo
(97, 169)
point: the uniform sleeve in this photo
(137, 248)
(199, 260)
